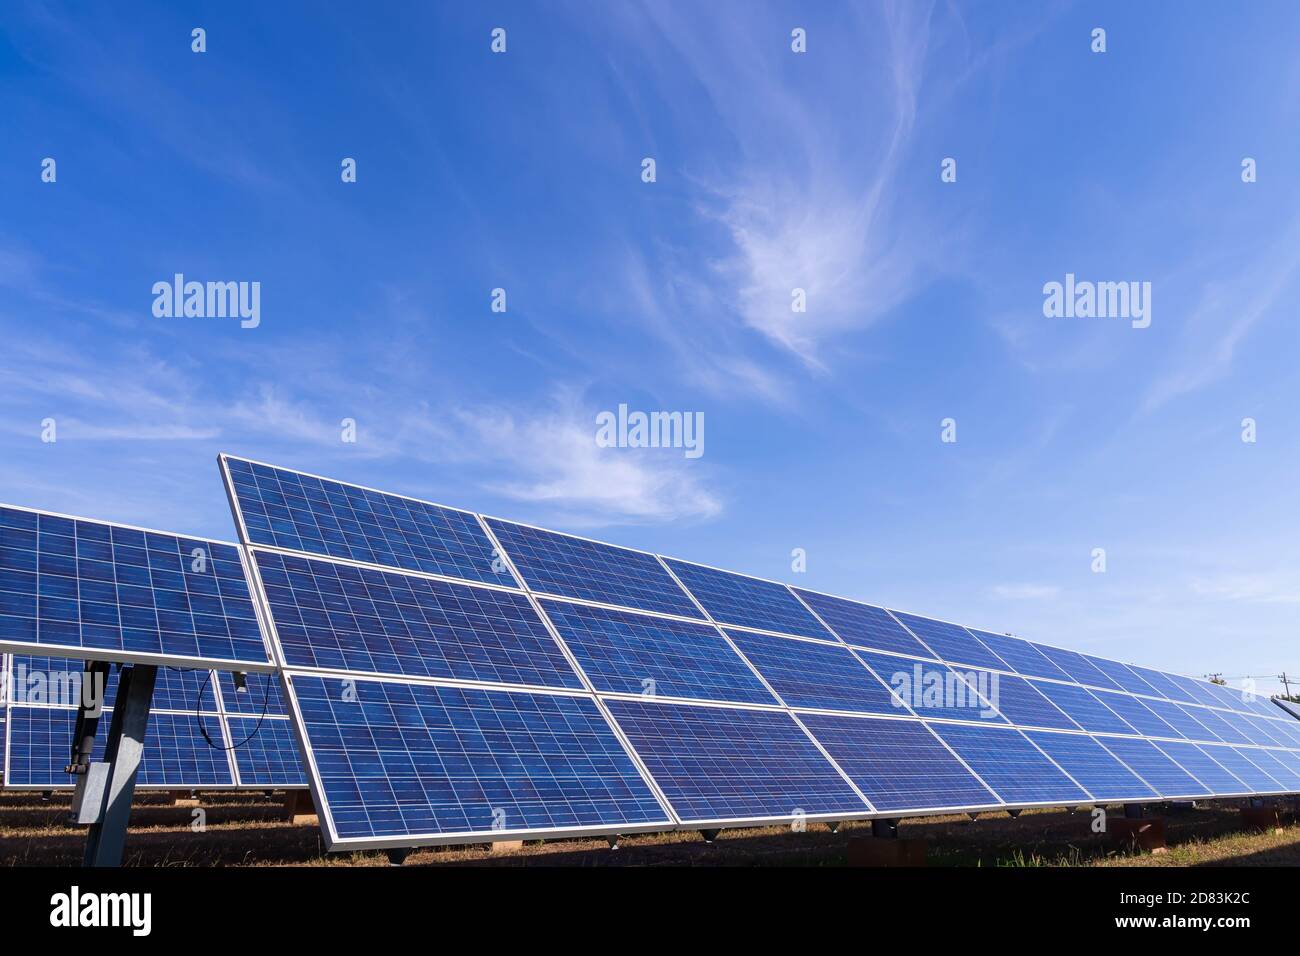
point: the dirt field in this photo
(250, 830)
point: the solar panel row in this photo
(608, 690)
(41, 696)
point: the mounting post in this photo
(884, 829)
(397, 855)
(613, 841)
(1014, 812)
(105, 789)
(709, 835)
(1132, 811)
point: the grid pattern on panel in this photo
(406, 759)
(1021, 656)
(1151, 764)
(863, 624)
(71, 583)
(1260, 732)
(261, 695)
(825, 676)
(1121, 675)
(1236, 761)
(1177, 717)
(1080, 669)
(1015, 769)
(952, 643)
(341, 617)
(286, 509)
(1137, 715)
(1281, 771)
(748, 602)
(269, 757)
(1019, 702)
(184, 689)
(1198, 690)
(1093, 766)
(1201, 765)
(1159, 680)
(589, 570)
(628, 653)
(1222, 723)
(175, 753)
(721, 763)
(932, 689)
(898, 764)
(56, 681)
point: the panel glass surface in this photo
(824, 676)
(748, 602)
(863, 624)
(1093, 766)
(1149, 763)
(951, 643)
(1015, 769)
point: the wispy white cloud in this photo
(1025, 592)
(1263, 587)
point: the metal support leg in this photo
(126, 736)
(885, 829)
(397, 855)
(709, 835)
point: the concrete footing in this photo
(1262, 818)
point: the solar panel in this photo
(1162, 683)
(863, 624)
(1012, 766)
(1217, 721)
(1021, 656)
(575, 567)
(424, 763)
(1149, 763)
(58, 681)
(951, 642)
(1018, 701)
(1177, 717)
(932, 689)
(1084, 708)
(261, 694)
(1122, 675)
(1077, 666)
(1263, 733)
(77, 588)
(300, 512)
(898, 764)
(1198, 762)
(1093, 766)
(628, 653)
(1276, 768)
(748, 602)
(175, 753)
(1199, 691)
(266, 753)
(823, 676)
(1239, 764)
(1136, 714)
(727, 764)
(341, 617)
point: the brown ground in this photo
(249, 829)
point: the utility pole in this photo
(1216, 679)
(1286, 685)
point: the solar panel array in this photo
(534, 683)
(41, 697)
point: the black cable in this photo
(198, 714)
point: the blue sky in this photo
(775, 170)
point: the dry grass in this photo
(249, 829)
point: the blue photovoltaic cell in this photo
(931, 689)
(620, 652)
(1288, 729)
(824, 676)
(1080, 669)
(1198, 762)
(575, 567)
(286, 509)
(1161, 682)
(1137, 714)
(57, 681)
(268, 755)
(1122, 675)
(1263, 733)
(1154, 767)
(1199, 691)
(1015, 769)
(175, 753)
(1020, 703)
(1279, 770)
(1220, 722)
(954, 644)
(863, 624)
(898, 764)
(261, 695)
(748, 602)
(1229, 697)
(342, 617)
(410, 759)
(1290, 758)
(73, 584)
(1236, 761)
(1177, 717)
(1093, 766)
(1084, 708)
(1021, 656)
(1245, 726)
(722, 763)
